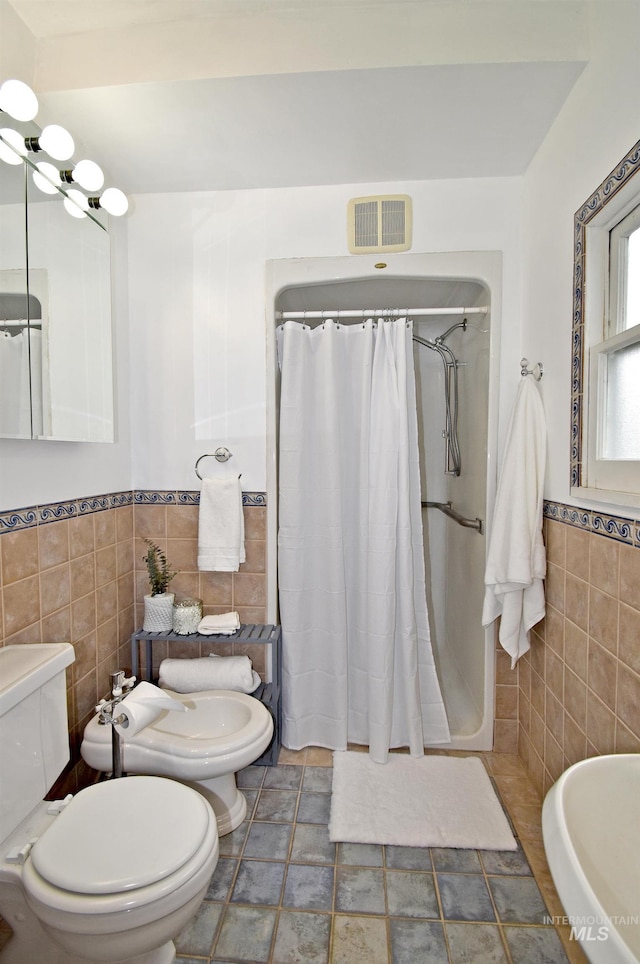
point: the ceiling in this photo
(394, 122)
(46, 18)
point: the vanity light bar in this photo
(19, 101)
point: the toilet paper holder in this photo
(120, 686)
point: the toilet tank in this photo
(34, 734)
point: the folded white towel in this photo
(223, 624)
(516, 561)
(221, 526)
(209, 673)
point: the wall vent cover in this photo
(379, 224)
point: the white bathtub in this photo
(591, 832)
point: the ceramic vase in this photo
(158, 612)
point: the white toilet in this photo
(111, 874)
(221, 732)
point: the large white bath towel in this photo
(221, 525)
(516, 561)
(209, 673)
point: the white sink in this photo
(591, 833)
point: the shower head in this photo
(459, 324)
(464, 324)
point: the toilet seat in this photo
(90, 849)
(121, 845)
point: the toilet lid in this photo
(122, 834)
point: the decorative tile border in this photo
(619, 528)
(35, 515)
(182, 497)
(620, 176)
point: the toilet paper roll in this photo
(142, 706)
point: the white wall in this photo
(197, 302)
(189, 307)
(594, 130)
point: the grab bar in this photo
(448, 510)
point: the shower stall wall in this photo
(454, 553)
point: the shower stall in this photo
(456, 318)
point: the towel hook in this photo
(537, 371)
(221, 454)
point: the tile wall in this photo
(75, 572)
(579, 685)
(505, 713)
(174, 526)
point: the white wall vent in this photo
(379, 224)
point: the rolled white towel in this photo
(224, 624)
(209, 673)
(142, 706)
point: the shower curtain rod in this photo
(19, 324)
(377, 312)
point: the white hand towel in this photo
(209, 673)
(142, 706)
(224, 624)
(221, 526)
(516, 562)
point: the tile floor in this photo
(283, 893)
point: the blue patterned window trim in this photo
(614, 527)
(34, 515)
(628, 166)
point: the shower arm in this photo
(440, 340)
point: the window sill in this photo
(627, 500)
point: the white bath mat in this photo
(431, 801)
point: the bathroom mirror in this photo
(56, 378)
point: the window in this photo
(624, 274)
(605, 458)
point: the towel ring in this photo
(221, 454)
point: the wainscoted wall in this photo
(171, 520)
(579, 685)
(75, 572)
(505, 712)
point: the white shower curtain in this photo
(21, 391)
(357, 660)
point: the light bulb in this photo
(46, 178)
(57, 142)
(18, 100)
(88, 175)
(76, 204)
(12, 148)
(114, 201)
